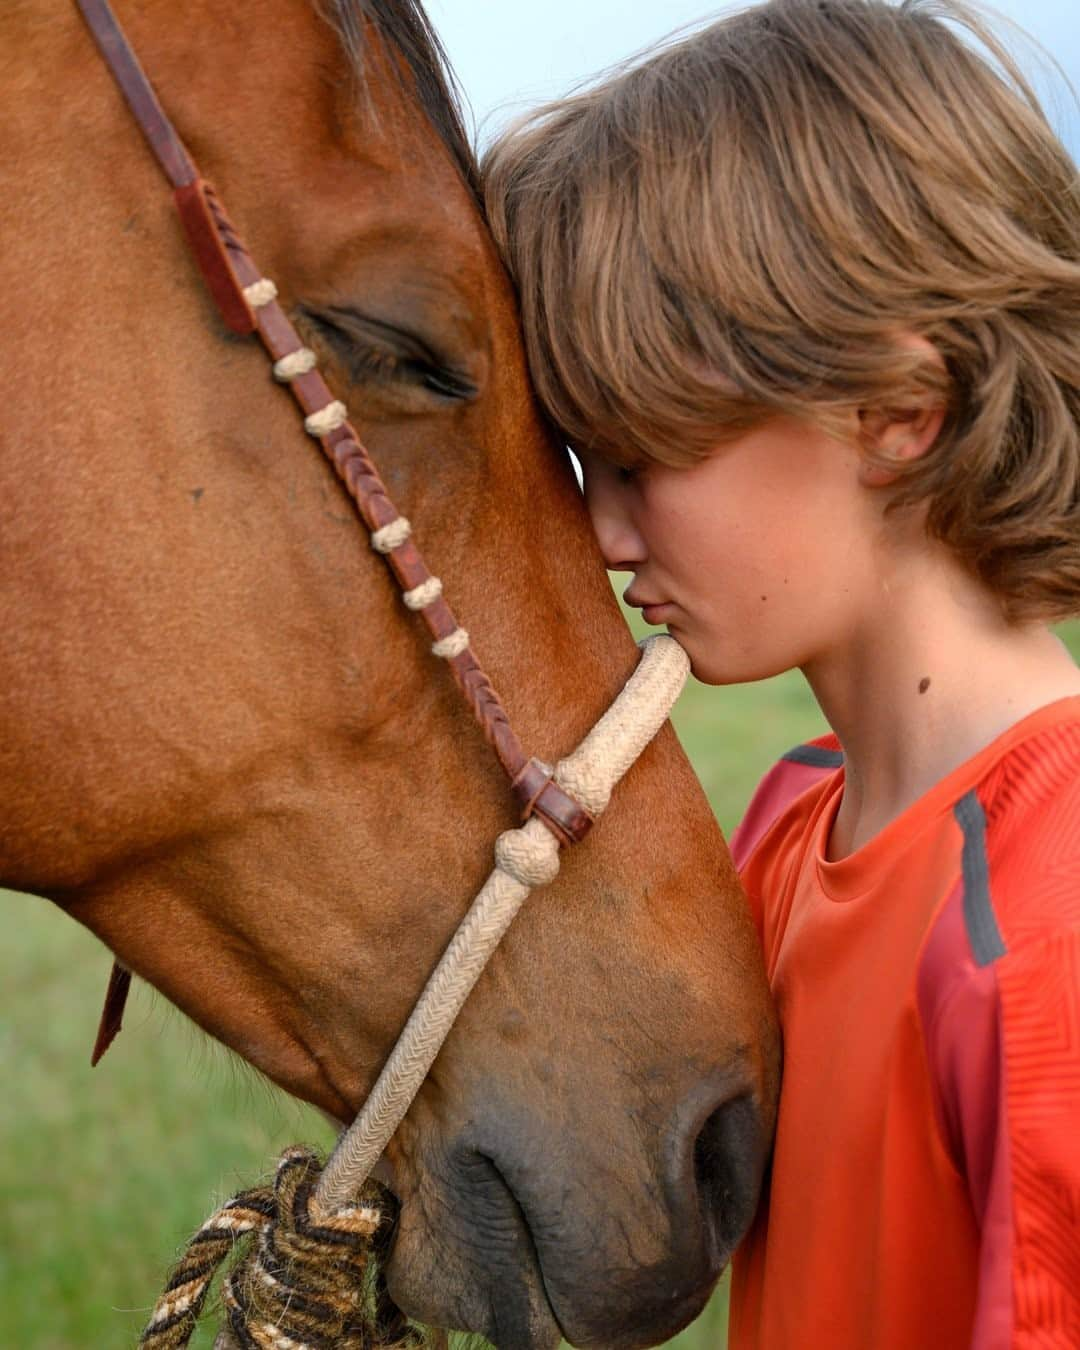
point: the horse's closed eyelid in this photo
(374, 350)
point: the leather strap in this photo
(537, 793)
(195, 199)
(112, 1015)
(160, 133)
(198, 208)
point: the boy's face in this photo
(760, 558)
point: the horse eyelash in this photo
(368, 361)
(389, 366)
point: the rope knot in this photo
(307, 1279)
(530, 856)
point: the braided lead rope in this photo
(301, 1282)
(525, 858)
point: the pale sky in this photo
(511, 54)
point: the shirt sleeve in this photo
(1039, 991)
(1004, 1054)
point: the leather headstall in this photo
(233, 280)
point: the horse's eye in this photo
(447, 384)
(374, 353)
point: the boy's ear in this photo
(900, 437)
(896, 436)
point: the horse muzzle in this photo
(513, 1235)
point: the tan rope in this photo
(261, 292)
(525, 858)
(454, 645)
(391, 536)
(327, 419)
(424, 594)
(294, 364)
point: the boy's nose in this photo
(621, 547)
(619, 539)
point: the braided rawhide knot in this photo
(306, 1280)
(529, 855)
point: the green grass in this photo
(104, 1173)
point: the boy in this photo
(804, 291)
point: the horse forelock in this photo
(408, 30)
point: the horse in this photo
(228, 751)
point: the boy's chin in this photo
(718, 668)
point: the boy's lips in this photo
(652, 611)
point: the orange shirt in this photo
(925, 1187)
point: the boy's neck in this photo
(930, 678)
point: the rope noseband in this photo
(306, 1280)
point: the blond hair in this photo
(743, 224)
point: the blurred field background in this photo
(104, 1173)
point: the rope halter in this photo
(312, 1207)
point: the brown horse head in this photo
(227, 749)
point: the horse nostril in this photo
(728, 1165)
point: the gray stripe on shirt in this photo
(979, 917)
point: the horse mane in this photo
(407, 28)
